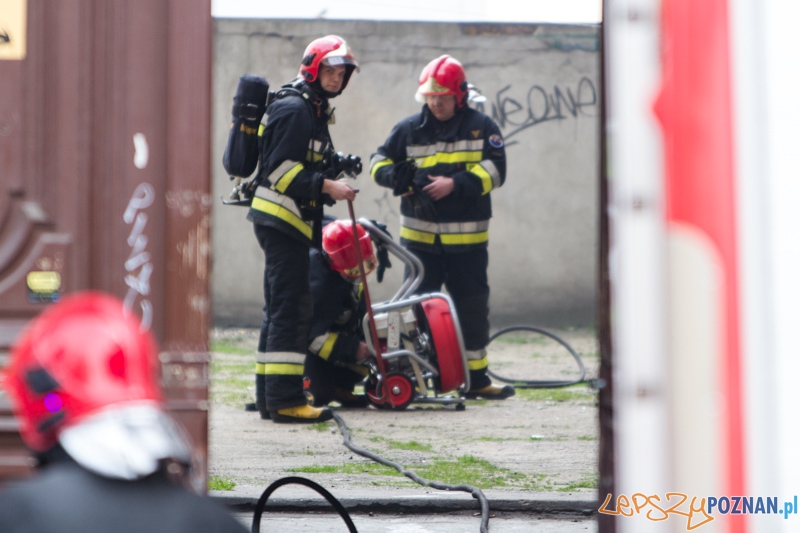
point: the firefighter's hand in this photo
(363, 353)
(441, 187)
(339, 190)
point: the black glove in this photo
(424, 208)
(327, 200)
(403, 176)
(383, 253)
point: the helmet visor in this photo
(431, 88)
(355, 272)
(340, 60)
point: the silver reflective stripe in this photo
(464, 227)
(316, 344)
(377, 158)
(261, 357)
(444, 227)
(417, 224)
(458, 146)
(488, 165)
(476, 355)
(278, 198)
(291, 358)
(282, 169)
(315, 146)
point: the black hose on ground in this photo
(293, 480)
(540, 384)
(474, 491)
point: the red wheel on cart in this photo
(399, 391)
(442, 329)
(371, 391)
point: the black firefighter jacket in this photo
(468, 148)
(293, 144)
(66, 498)
(338, 312)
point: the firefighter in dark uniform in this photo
(286, 212)
(337, 344)
(444, 161)
(84, 380)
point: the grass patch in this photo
(319, 426)
(220, 483)
(587, 482)
(564, 394)
(471, 470)
(412, 445)
(587, 437)
(235, 382)
(226, 347)
(232, 381)
(466, 469)
(520, 339)
(371, 469)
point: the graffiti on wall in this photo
(538, 105)
(139, 266)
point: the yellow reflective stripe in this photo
(282, 213)
(463, 238)
(448, 158)
(286, 180)
(379, 165)
(313, 157)
(272, 369)
(261, 129)
(478, 364)
(486, 178)
(260, 368)
(419, 236)
(325, 351)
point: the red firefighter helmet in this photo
(444, 75)
(337, 241)
(331, 49)
(77, 358)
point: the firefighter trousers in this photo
(288, 311)
(325, 377)
(464, 275)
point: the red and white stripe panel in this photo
(705, 259)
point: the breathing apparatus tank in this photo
(249, 104)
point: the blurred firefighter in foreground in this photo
(84, 382)
(296, 178)
(337, 344)
(444, 161)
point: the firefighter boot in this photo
(491, 392)
(302, 414)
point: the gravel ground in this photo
(542, 440)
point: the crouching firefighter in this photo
(295, 179)
(337, 338)
(444, 161)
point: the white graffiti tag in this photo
(139, 282)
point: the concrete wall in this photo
(543, 88)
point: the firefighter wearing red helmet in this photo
(445, 161)
(83, 379)
(337, 341)
(295, 180)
